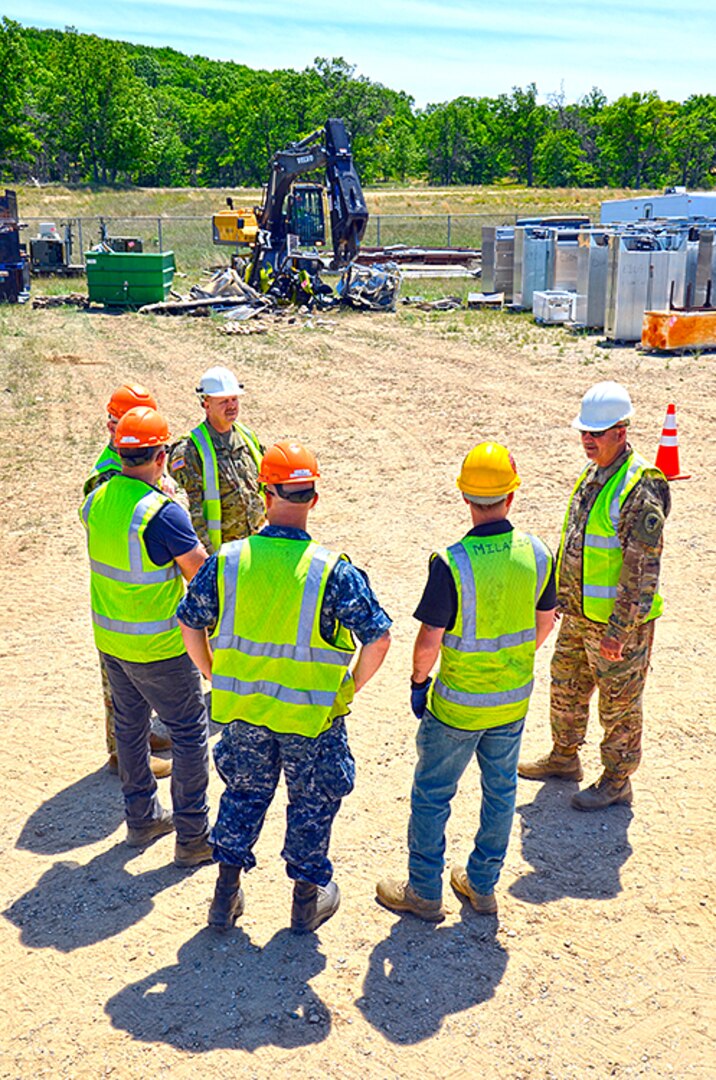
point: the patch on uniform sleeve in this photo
(649, 527)
(177, 463)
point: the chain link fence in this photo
(190, 238)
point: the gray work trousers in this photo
(173, 689)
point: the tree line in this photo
(79, 108)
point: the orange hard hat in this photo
(288, 463)
(129, 396)
(141, 427)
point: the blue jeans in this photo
(443, 756)
(173, 689)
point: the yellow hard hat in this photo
(488, 473)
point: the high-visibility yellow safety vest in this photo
(271, 665)
(211, 508)
(134, 601)
(602, 554)
(109, 462)
(487, 659)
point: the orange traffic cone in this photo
(667, 456)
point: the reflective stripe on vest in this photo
(601, 552)
(486, 679)
(201, 437)
(134, 601)
(271, 666)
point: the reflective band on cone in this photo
(667, 456)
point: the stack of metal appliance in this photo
(14, 268)
(498, 254)
(646, 271)
(545, 257)
(555, 303)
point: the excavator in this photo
(289, 228)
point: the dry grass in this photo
(56, 200)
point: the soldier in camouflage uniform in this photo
(608, 576)
(217, 465)
(109, 464)
(286, 610)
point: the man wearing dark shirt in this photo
(140, 545)
(285, 611)
(487, 607)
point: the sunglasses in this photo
(601, 434)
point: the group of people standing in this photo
(201, 563)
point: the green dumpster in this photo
(122, 279)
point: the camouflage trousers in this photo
(578, 670)
(108, 709)
(319, 773)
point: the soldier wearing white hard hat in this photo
(217, 465)
(608, 576)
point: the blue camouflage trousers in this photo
(319, 773)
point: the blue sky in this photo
(434, 50)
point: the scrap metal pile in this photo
(372, 288)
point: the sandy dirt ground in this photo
(601, 963)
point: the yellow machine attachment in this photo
(234, 227)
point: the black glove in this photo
(419, 696)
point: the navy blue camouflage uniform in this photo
(319, 771)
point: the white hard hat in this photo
(219, 382)
(603, 406)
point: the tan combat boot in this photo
(159, 742)
(608, 791)
(483, 903)
(160, 766)
(400, 896)
(561, 766)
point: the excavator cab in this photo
(306, 216)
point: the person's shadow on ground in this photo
(72, 906)
(81, 814)
(422, 973)
(573, 853)
(226, 993)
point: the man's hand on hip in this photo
(610, 649)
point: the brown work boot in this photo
(228, 902)
(561, 766)
(608, 791)
(401, 896)
(194, 853)
(160, 766)
(483, 903)
(145, 834)
(159, 742)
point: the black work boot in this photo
(313, 905)
(228, 902)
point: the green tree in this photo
(460, 142)
(634, 140)
(17, 140)
(98, 111)
(560, 160)
(523, 123)
(693, 142)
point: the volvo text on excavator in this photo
(291, 218)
